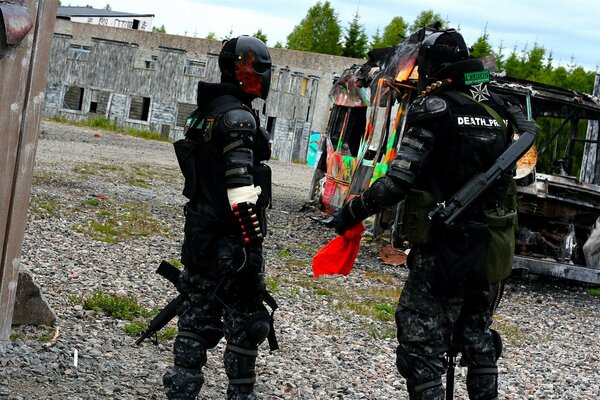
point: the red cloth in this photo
(337, 256)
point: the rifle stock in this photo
(171, 273)
(448, 212)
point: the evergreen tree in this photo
(394, 32)
(160, 29)
(482, 46)
(376, 41)
(427, 18)
(318, 32)
(107, 7)
(261, 36)
(278, 45)
(355, 41)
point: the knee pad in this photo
(258, 326)
(207, 336)
(482, 383)
(182, 383)
(188, 352)
(403, 362)
(240, 363)
(431, 390)
(497, 340)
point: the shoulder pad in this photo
(238, 119)
(427, 107)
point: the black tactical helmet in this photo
(438, 50)
(246, 61)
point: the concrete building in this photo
(149, 81)
(115, 19)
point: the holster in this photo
(185, 150)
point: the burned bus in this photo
(558, 180)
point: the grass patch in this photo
(387, 332)
(118, 307)
(124, 308)
(115, 224)
(323, 292)
(512, 333)
(92, 202)
(44, 206)
(284, 253)
(136, 328)
(272, 285)
(103, 123)
(593, 292)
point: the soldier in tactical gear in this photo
(455, 129)
(228, 188)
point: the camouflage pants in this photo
(217, 304)
(429, 326)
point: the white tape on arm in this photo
(243, 194)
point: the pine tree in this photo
(355, 41)
(394, 32)
(260, 36)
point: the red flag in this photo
(337, 256)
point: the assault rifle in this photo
(171, 273)
(448, 211)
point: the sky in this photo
(568, 29)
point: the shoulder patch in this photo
(427, 107)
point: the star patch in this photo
(480, 92)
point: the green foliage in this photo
(394, 32)
(427, 18)
(102, 123)
(385, 312)
(112, 224)
(107, 7)
(355, 40)
(126, 308)
(136, 328)
(482, 46)
(44, 205)
(285, 253)
(211, 36)
(260, 36)
(535, 65)
(376, 40)
(318, 32)
(91, 202)
(593, 292)
(160, 29)
(278, 45)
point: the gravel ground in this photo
(336, 333)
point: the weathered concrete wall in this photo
(150, 78)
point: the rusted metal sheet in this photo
(23, 73)
(17, 22)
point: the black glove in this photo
(349, 215)
(521, 123)
(246, 215)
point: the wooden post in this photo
(26, 31)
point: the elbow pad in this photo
(414, 151)
(238, 127)
(383, 193)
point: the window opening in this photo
(73, 99)
(139, 108)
